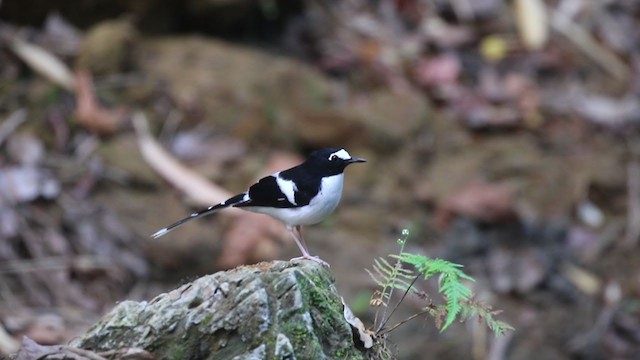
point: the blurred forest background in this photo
(504, 134)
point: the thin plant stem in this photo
(385, 320)
(398, 264)
(427, 310)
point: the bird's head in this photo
(333, 159)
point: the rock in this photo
(123, 154)
(258, 97)
(275, 310)
(108, 47)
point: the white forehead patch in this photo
(342, 154)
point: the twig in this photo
(599, 54)
(632, 234)
(133, 353)
(385, 320)
(7, 295)
(86, 353)
(49, 282)
(12, 123)
(604, 320)
(186, 180)
(396, 268)
(428, 309)
(33, 291)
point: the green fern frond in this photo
(449, 282)
(376, 278)
(459, 302)
(389, 276)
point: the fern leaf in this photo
(450, 282)
(375, 278)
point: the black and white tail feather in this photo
(303, 195)
(236, 200)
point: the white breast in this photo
(322, 205)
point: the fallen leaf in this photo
(439, 70)
(582, 279)
(47, 329)
(485, 203)
(89, 113)
(44, 63)
(494, 48)
(608, 111)
(357, 324)
(62, 36)
(26, 183)
(532, 22)
(516, 270)
(25, 149)
(249, 238)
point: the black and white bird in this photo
(303, 195)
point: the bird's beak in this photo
(356, 160)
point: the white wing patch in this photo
(288, 188)
(342, 154)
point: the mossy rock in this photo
(275, 310)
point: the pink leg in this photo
(296, 232)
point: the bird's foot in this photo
(312, 258)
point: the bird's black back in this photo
(307, 177)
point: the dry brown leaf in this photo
(44, 63)
(487, 203)
(47, 329)
(89, 113)
(363, 334)
(250, 237)
(440, 70)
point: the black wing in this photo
(266, 192)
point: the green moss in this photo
(348, 354)
(178, 352)
(304, 342)
(207, 320)
(326, 311)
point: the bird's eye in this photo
(333, 157)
